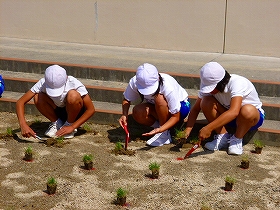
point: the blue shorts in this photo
(255, 127)
(185, 109)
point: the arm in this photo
(192, 117)
(26, 131)
(125, 109)
(223, 119)
(170, 122)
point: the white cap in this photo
(55, 79)
(210, 75)
(147, 79)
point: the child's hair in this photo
(222, 84)
(159, 84)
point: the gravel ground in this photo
(193, 183)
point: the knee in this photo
(73, 97)
(208, 103)
(249, 112)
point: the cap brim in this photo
(207, 89)
(148, 90)
(55, 92)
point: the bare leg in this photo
(45, 106)
(74, 104)
(212, 109)
(248, 117)
(162, 110)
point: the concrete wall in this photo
(227, 26)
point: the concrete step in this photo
(107, 96)
(112, 91)
(188, 81)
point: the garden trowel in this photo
(127, 136)
(191, 150)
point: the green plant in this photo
(258, 143)
(86, 127)
(87, 158)
(29, 150)
(194, 140)
(205, 207)
(121, 193)
(37, 121)
(10, 132)
(154, 166)
(179, 134)
(51, 181)
(230, 179)
(118, 146)
(245, 158)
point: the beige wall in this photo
(252, 26)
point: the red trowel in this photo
(127, 136)
(191, 150)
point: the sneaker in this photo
(160, 139)
(235, 146)
(53, 128)
(69, 135)
(220, 142)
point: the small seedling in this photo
(87, 159)
(28, 153)
(194, 140)
(51, 185)
(154, 167)
(86, 127)
(229, 182)
(245, 161)
(37, 121)
(29, 150)
(179, 134)
(118, 146)
(121, 196)
(258, 146)
(258, 143)
(9, 132)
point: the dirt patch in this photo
(193, 183)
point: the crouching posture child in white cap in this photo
(62, 99)
(225, 99)
(164, 103)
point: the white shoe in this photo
(53, 128)
(235, 146)
(220, 142)
(160, 139)
(69, 135)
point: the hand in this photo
(204, 133)
(153, 132)
(27, 132)
(123, 121)
(65, 130)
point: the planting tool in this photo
(191, 150)
(127, 136)
(38, 137)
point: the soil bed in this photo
(188, 184)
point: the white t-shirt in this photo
(237, 86)
(71, 84)
(170, 89)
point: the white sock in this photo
(234, 137)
